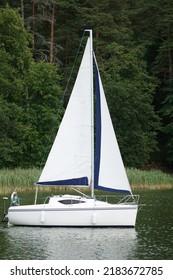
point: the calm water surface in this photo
(151, 239)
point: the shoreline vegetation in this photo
(23, 180)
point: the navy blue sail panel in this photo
(98, 137)
(83, 181)
(112, 190)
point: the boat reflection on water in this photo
(69, 243)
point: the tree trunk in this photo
(170, 57)
(52, 34)
(33, 25)
(22, 10)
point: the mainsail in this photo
(69, 161)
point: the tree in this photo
(163, 68)
(30, 96)
(43, 111)
(15, 57)
(152, 25)
(133, 38)
(15, 38)
(11, 132)
(130, 95)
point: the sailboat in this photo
(76, 159)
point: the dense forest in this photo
(39, 43)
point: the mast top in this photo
(88, 30)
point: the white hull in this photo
(89, 213)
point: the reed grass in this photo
(24, 179)
(153, 179)
(18, 179)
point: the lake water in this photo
(151, 239)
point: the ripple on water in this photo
(69, 243)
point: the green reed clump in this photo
(149, 179)
(18, 178)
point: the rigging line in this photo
(72, 69)
(63, 95)
(76, 190)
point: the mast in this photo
(92, 111)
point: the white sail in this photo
(69, 161)
(111, 172)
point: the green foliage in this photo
(43, 111)
(14, 38)
(152, 23)
(167, 113)
(134, 46)
(130, 94)
(15, 57)
(10, 134)
(29, 96)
